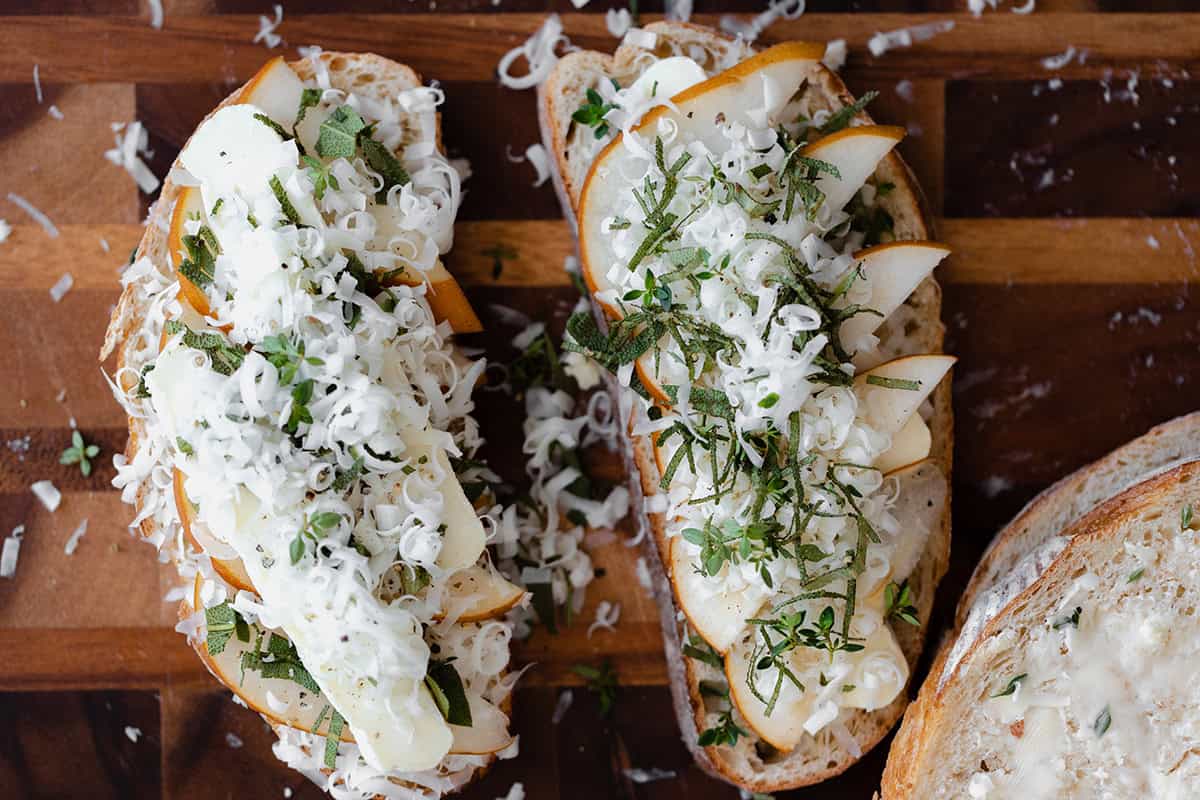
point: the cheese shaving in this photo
(539, 159)
(1061, 60)
(34, 214)
(835, 54)
(60, 288)
(132, 733)
(539, 52)
(11, 552)
(132, 141)
(639, 775)
(618, 21)
(515, 792)
(266, 28)
(5, 231)
(565, 698)
(156, 13)
(48, 494)
(749, 31)
(679, 10)
(880, 43)
(607, 615)
(37, 84)
(73, 541)
(54, 112)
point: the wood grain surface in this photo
(1069, 195)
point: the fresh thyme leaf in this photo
(769, 401)
(894, 383)
(345, 479)
(602, 682)
(1072, 619)
(1011, 686)
(380, 159)
(321, 175)
(499, 253)
(275, 126)
(199, 266)
(184, 446)
(725, 732)
(447, 689)
(898, 603)
(308, 99)
(1103, 722)
(225, 358)
(285, 202)
(221, 623)
(286, 356)
(339, 133)
(301, 393)
(761, 171)
(80, 453)
(333, 738)
(1186, 517)
(592, 112)
(843, 116)
(1136, 575)
(142, 391)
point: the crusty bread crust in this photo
(351, 72)
(1065, 502)
(915, 328)
(1094, 540)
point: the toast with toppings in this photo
(1070, 674)
(760, 274)
(301, 431)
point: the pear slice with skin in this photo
(885, 397)
(856, 152)
(910, 444)
(188, 205)
(296, 707)
(718, 617)
(232, 571)
(890, 272)
(758, 86)
(276, 89)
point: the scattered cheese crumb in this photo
(1061, 60)
(35, 215)
(1153, 242)
(37, 84)
(156, 13)
(995, 485)
(679, 10)
(266, 29)
(61, 287)
(565, 698)
(11, 552)
(233, 740)
(132, 139)
(639, 775)
(50, 496)
(643, 573)
(73, 542)
(904, 90)
(517, 792)
(776, 9)
(132, 733)
(580, 3)
(880, 43)
(583, 369)
(1026, 8)
(539, 159)
(539, 52)
(104, 244)
(54, 112)
(287, 791)
(835, 54)
(618, 21)
(5, 230)
(976, 7)
(607, 615)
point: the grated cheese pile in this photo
(294, 391)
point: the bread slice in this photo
(1061, 505)
(134, 335)
(914, 329)
(1072, 675)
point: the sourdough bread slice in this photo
(914, 329)
(134, 335)
(1061, 505)
(1072, 675)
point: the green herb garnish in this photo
(897, 599)
(601, 681)
(446, 686)
(316, 527)
(275, 126)
(224, 357)
(80, 453)
(339, 133)
(222, 623)
(592, 112)
(1011, 686)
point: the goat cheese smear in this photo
(308, 411)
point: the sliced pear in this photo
(890, 272)
(187, 205)
(232, 151)
(488, 732)
(481, 593)
(276, 89)
(855, 152)
(464, 537)
(924, 494)
(232, 571)
(784, 728)
(718, 617)
(886, 406)
(750, 92)
(910, 444)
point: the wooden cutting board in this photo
(1069, 195)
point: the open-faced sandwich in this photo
(300, 423)
(1071, 673)
(757, 259)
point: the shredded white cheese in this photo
(11, 552)
(639, 775)
(515, 792)
(104, 244)
(539, 159)
(5, 231)
(76, 536)
(1026, 8)
(48, 494)
(232, 740)
(565, 698)
(539, 52)
(34, 214)
(132, 141)
(679, 10)
(132, 733)
(37, 84)
(55, 112)
(266, 28)
(618, 21)
(880, 43)
(1061, 60)
(156, 13)
(749, 31)
(607, 615)
(835, 54)
(60, 288)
